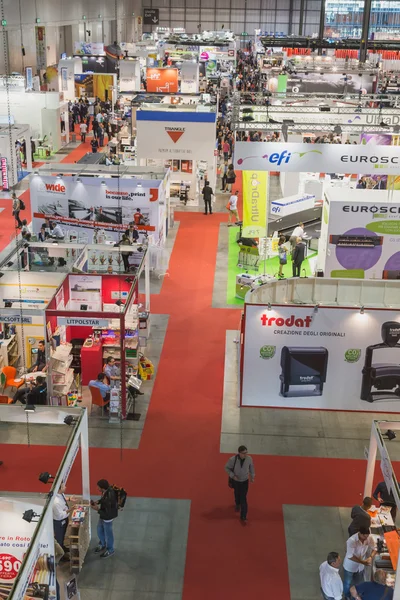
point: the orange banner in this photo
(162, 80)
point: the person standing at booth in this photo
(240, 469)
(298, 256)
(298, 232)
(331, 583)
(207, 197)
(61, 512)
(359, 554)
(107, 507)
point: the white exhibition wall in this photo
(94, 204)
(360, 234)
(177, 135)
(298, 342)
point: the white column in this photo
(369, 477)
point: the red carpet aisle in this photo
(179, 452)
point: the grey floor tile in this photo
(311, 533)
(149, 562)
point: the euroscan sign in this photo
(331, 158)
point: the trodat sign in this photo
(332, 158)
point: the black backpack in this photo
(22, 204)
(121, 496)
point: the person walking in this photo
(232, 208)
(83, 129)
(331, 583)
(224, 171)
(207, 197)
(95, 144)
(107, 507)
(298, 256)
(230, 178)
(17, 207)
(240, 469)
(282, 252)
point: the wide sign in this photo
(299, 357)
(162, 80)
(317, 158)
(100, 209)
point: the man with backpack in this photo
(111, 500)
(107, 507)
(240, 469)
(17, 206)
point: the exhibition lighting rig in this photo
(313, 127)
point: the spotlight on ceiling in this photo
(70, 420)
(45, 477)
(119, 303)
(390, 435)
(29, 408)
(30, 516)
(128, 279)
(337, 129)
(362, 310)
(269, 307)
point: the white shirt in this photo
(57, 231)
(358, 549)
(298, 232)
(331, 583)
(83, 127)
(233, 200)
(99, 117)
(60, 508)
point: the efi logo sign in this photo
(279, 158)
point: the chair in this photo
(9, 375)
(97, 398)
(5, 400)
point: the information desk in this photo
(387, 543)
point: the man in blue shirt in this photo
(103, 387)
(373, 590)
(112, 371)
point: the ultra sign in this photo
(332, 158)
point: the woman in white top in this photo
(232, 208)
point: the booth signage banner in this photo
(361, 238)
(102, 208)
(29, 78)
(82, 321)
(15, 319)
(255, 191)
(64, 79)
(41, 48)
(88, 48)
(162, 80)
(317, 158)
(4, 173)
(297, 357)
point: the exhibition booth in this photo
(16, 139)
(312, 343)
(92, 317)
(96, 205)
(359, 234)
(28, 566)
(43, 112)
(23, 299)
(184, 142)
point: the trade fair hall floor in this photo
(179, 536)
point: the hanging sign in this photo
(255, 203)
(82, 321)
(29, 78)
(15, 319)
(317, 158)
(4, 173)
(41, 50)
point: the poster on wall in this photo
(85, 48)
(85, 290)
(362, 237)
(334, 358)
(255, 190)
(16, 535)
(52, 78)
(98, 209)
(41, 49)
(162, 80)
(96, 84)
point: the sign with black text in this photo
(151, 16)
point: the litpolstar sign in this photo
(338, 158)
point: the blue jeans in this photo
(106, 535)
(350, 579)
